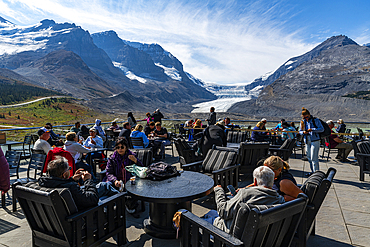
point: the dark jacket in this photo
(84, 198)
(341, 128)
(157, 116)
(213, 135)
(114, 167)
(126, 134)
(212, 118)
(147, 130)
(258, 136)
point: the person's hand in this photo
(133, 158)
(309, 130)
(77, 174)
(155, 134)
(218, 186)
(86, 175)
(3, 192)
(117, 184)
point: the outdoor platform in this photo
(343, 220)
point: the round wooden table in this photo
(166, 197)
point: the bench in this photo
(55, 220)
(254, 226)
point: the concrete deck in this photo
(343, 219)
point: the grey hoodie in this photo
(226, 209)
(76, 149)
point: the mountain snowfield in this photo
(15, 39)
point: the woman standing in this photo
(131, 119)
(310, 128)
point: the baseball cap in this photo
(42, 131)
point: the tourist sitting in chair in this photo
(149, 129)
(260, 194)
(341, 126)
(99, 130)
(336, 142)
(76, 128)
(125, 132)
(284, 182)
(138, 133)
(54, 139)
(75, 148)
(116, 173)
(93, 141)
(42, 143)
(114, 126)
(58, 176)
(259, 136)
(162, 137)
(213, 135)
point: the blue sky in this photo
(226, 42)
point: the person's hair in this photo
(152, 123)
(84, 128)
(48, 126)
(264, 176)
(260, 124)
(212, 108)
(131, 116)
(305, 112)
(125, 124)
(57, 166)
(292, 124)
(93, 129)
(340, 121)
(122, 142)
(282, 120)
(285, 124)
(70, 136)
(198, 123)
(330, 122)
(158, 124)
(138, 127)
(275, 162)
(227, 118)
(148, 113)
(77, 123)
(114, 123)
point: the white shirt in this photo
(42, 145)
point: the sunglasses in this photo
(68, 169)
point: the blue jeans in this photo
(162, 144)
(312, 152)
(105, 189)
(210, 216)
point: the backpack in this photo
(160, 171)
(327, 130)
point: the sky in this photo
(224, 42)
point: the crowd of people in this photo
(272, 182)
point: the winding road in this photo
(30, 102)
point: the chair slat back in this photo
(43, 213)
(36, 165)
(275, 226)
(144, 155)
(137, 142)
(219, 157)
(13, 158)
(250, 153)
(236, 136)
(364, 147)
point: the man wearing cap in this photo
(41, 143)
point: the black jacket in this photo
(84, 198)
(126, 134)
(212, 118)
(157, 117)
(213, 135)
(147, 130)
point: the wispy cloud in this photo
(217, 41)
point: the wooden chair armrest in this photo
(226, 169)
(279, 149)
(212, 230)
(109, 200)
(193, 166)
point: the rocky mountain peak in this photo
(335, 41)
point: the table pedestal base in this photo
(159, 224)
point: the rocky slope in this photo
(343, 67)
